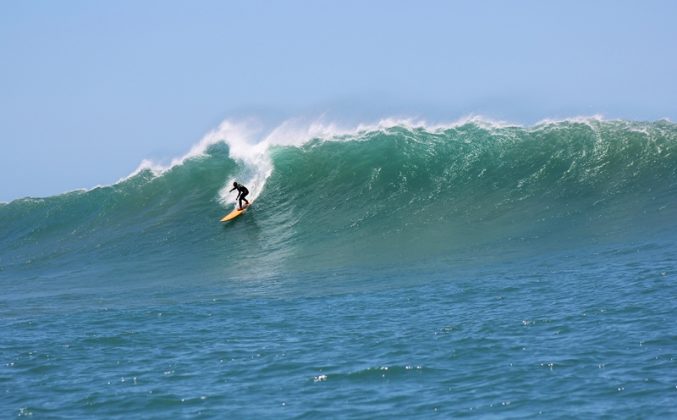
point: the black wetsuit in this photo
(242, 193)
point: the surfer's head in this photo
(234, 184)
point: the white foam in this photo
(577, 118)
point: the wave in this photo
(383, 194)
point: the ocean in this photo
(393, 270)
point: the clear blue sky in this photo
(90, 88)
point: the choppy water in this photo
(469, 270)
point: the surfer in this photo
(242, 192)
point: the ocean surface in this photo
(395, 270)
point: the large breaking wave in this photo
(382, 195)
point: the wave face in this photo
(382, 198)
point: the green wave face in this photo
(401, 194)
(382, 198)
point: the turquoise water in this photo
(470, 270)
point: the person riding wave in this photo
(241, 194)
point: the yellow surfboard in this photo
(233, 214)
